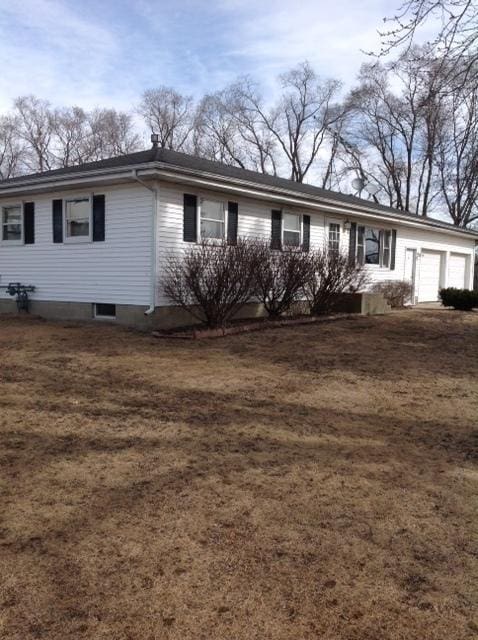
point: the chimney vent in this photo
(155, 140)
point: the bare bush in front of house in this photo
(333, 273)
(280, 277)
(212, 281)
(396, 292)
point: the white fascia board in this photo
(72, 180)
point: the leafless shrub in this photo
(280, 277)
(333, 273)
(212, 281)
(395, 292)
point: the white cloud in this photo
(49, 50)
(107, 53)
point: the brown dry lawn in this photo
(305, 482)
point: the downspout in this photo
(154, 230)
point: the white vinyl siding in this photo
(255, 222)
(116, 271)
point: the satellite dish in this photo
(371, 188)
(358, 184)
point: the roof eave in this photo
(158, 169)
(246, 187)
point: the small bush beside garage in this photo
(460, 299)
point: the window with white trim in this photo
(386, 248)
(374, 246)
(77, 218)
(213, 219)
(291, 230)
(12, 223)
(334, 236)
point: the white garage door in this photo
(429, 276)
(456, 270)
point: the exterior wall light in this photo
(347, 225)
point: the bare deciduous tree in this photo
(299, 122)
(217, 133)
(456, 33)
(12, 150)
(457, 157)
(397, 115)
(70, 132)
(169, 114)
(34, 122)
(111, 133)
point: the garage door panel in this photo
(430, 266)
(457, 270)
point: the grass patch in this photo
(314, 482)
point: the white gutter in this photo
(154, 230)
(45, 182)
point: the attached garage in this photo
(457, 270)
(430, 270)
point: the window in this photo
(374, 246)
(387, 238)
(360, 245)
(213, 220)
(334, 236)
(291, 233)
(77, 218)
(103, 310)
(12, 223)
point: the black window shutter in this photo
(98, 218)
(190, 218)
(276, 229)
(232, 222)
(57, 211)
(29, 222)
(381, 237)
(393, 249)
(305, 233)
(352, 241)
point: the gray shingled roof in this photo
(195, 163)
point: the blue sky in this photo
(105, 52)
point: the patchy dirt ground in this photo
(305, 482)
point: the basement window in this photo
(103, 310)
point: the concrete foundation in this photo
(174, 317)
(367, 304)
